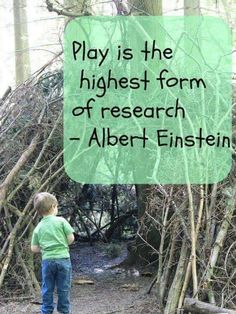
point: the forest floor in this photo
(112, 289)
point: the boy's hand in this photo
(70, 238)
(35, 249)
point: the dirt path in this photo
(107, 295)
(97, 299)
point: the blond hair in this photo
(44, 202)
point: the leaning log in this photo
(195, 306)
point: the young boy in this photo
(52, 237)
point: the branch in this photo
(199, 307)
(4, 187)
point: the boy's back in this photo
(51, 235)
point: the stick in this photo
(199, 307)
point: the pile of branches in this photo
(196, 256)
(30, 161)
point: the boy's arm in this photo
(68, 231)
(70, 238)
(35, 243)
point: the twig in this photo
(7, 92)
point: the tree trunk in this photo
(22, 58)
(113, 202)
(138, 251)
(153, 7)
(142, 195)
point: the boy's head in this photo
(45, 203)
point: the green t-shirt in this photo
(51, 236)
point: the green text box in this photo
(147, 100)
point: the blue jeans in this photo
(56, 272)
